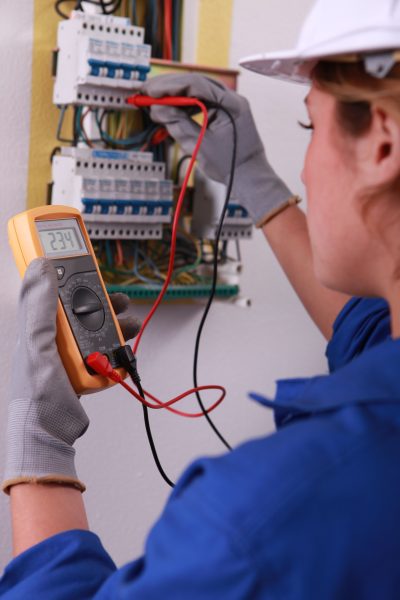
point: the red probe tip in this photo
(140, 101)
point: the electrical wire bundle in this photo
(117, 130)
(108, 7)
(145, 262)
(163, 24)
(162, 20)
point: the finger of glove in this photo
(180, 126)
(197, 86)
(38, 307)
(119, 302)
(169, 115)
(129, 324)
(188, 85)
(125, 312)
(38, 372)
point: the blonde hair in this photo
(357, 93)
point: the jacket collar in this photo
(373, 377)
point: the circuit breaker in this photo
(122, 195)
(101, 60)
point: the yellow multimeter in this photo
(86, 321)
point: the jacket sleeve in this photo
(191, 552)
(72, 564)
(363, 323)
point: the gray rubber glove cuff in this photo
(269, 194)
(45, 415)
(256, 185)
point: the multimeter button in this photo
(88, 308)
(60, 272)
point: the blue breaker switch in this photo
(143, 70)
(95, 66)
(111, 68)
(127, 70)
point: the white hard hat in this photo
(338, 28)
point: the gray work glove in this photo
(256, 186)
(125, 313)
(45, 414)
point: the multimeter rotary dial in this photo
(88, 308)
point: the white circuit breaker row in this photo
(122, 195)
(101, 60)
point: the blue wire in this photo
(151, 263)
(137, 140)
(78, 115)
(110, 261)
(134, 14)
(135, 266)
(154, 25)
(176, 28)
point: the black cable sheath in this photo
(151, 442)
(179, 166)
(215, 273)
(127, 360)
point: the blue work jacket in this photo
(311, 512)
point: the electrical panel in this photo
(117, 170)
(122, 195)
(100, 60)
(208, 202)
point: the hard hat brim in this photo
(296, 65)
(287, 66)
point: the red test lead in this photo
(141, 102)
(101, 365)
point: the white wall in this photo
(243, 349)
(15, 81)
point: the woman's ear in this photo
(378, 150)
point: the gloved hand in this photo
(45, 414)
(256, 186)
(125, 313)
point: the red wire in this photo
(141, 101)
(167, 29)
(167, 405)
(101, 365)
(119, 259)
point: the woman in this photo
(313, 510)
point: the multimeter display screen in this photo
(61, 238)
